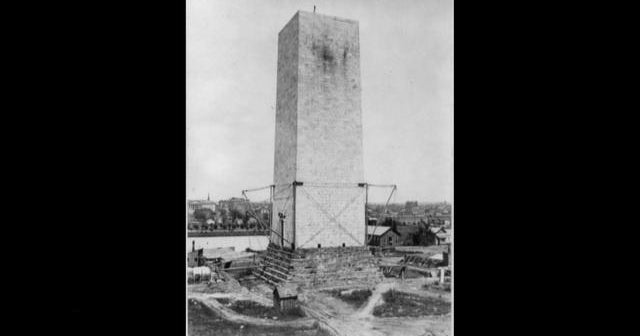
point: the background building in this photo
(382, 236)
(201, 204)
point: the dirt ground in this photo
(205, 322)
(343, 319)
(399, 304)
(356, 298)
(255, 309)
(334, 315)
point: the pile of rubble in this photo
(222, 282)
(422, 261)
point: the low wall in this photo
(336, 267)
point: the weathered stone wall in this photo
(319, 131)
(329, 112)
(321, 268)
(336, 267)
(286, 128)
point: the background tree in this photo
(252, 223)
(235, 213)
(247, 217)
(226, 224)
(421, 237)
(418, 236)
(201, 215)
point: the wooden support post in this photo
(366, 221)
(271, 191)
(282, 232)
(293, 220)
(293, 240)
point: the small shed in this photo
(443, 238)
(382, 236)
(285, 297)
(438, 236)
(195, 258)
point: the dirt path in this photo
(340, 320)
(338, 317)
(337, 324)
(376, 295)
(242, 295)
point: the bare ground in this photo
(337, 317)
(341, 319)
(206, 322)
(229, 315)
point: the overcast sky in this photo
(406, 51)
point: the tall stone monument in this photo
(319, 190)
(318, 150)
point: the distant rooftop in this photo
(377, 230)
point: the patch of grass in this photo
(355, 298)
(398, 304)
(223, 300)
(205, 322)
(255, 309)
(440, 287)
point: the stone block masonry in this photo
(334, 267)
(318, 135)
(286, 129)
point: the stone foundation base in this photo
(334, 267)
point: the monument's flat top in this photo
(318, 15)
(305, 13)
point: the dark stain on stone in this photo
(321, 49)
(327, 55)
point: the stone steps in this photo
(284, 275)
(272, 249)
(336, 275)
(274, 277)
(259, 275)
(281, 263)
(277, 267)
(365, 269)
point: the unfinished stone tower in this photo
(319, 190)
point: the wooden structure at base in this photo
(285, 297)
(195, 258)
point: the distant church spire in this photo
(208, 199)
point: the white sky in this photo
(406, 59)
